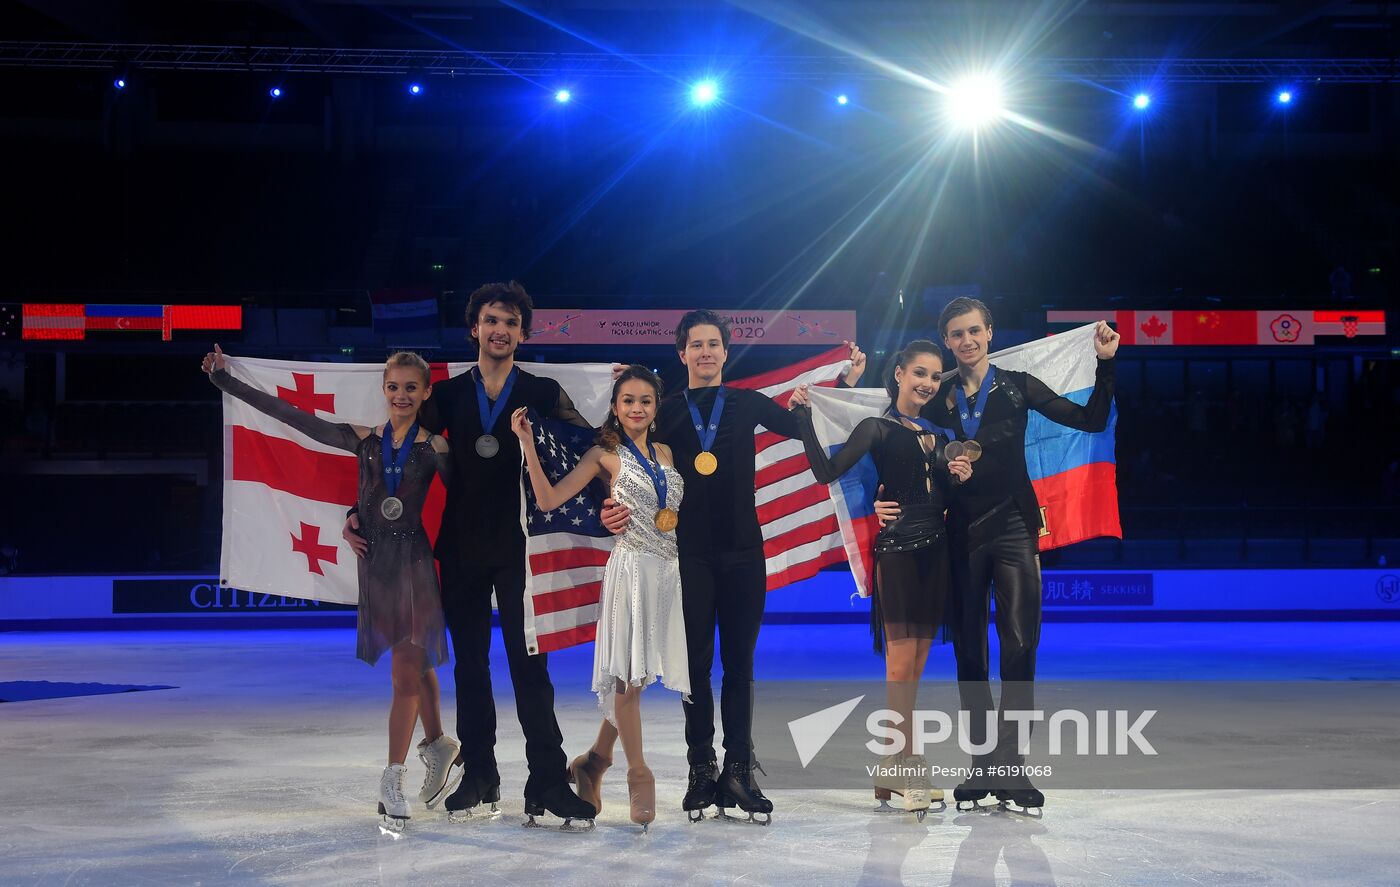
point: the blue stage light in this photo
(563, 96)
(842, 99)
(1284, 97)
(415, 89)
(704, 93)
(119, 83)
(275, 92)
(1141, 101)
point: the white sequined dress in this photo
(641, 628)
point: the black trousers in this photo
(1006, 562)
(724, 589)
(466, 603)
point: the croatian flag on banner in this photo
(1073, 472)
(285, 495)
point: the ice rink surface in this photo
(261, 766)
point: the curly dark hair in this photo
(901, 360)
(700, 317)
(512, 294)
(959, 306)
(610, 434)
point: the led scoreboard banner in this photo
(47, 321)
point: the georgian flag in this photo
(285, 495)
(1074, 472)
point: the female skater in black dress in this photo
(912, 578)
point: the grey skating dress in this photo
(399, 595)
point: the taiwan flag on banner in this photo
(1074, 472)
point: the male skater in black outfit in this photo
(994, 525)
(723, 577)
(481, 548)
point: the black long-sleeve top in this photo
(719, 512)
(919, 481)
(1001, 473)
(480, 520)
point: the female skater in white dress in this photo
(641, 627)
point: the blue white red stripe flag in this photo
(1073, 472)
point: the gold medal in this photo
(666, 520)
(706, 463)
(973, 450)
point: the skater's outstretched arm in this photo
(865, 437)
(332, 434)
(1093, 416)
(597, 462)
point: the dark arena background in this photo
(324, 182)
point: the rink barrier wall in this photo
(182, 601)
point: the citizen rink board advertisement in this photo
(38, 602)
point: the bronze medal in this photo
(954, 450)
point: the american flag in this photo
(567, 550)
(285, 495)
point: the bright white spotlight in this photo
(563, 96)
(842, 100)
(415, 89)
(704, 93)
(119, 83)
(1141, 101)
(974, 101)
(275, 92)
(1285, 97)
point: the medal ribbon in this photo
(972, 416)
(489, 417)
(393, 465)
(923, 423)
(655, 471)
(707, 434)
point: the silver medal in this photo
(487, 446)
(391, 508)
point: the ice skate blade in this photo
(389, 823)
(1027, 812)
(454, 778)
(695, 815)
(472, 814)
(753, 818)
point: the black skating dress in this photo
(912, 578)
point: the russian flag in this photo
(835, 414)
(1074, 472)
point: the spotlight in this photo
(1284, 97)
(1141, 101)
(415, 89)
(119, 83)
(974, 101)
(275, 92)
(704, 93)
(842, 99)
(563, 96)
